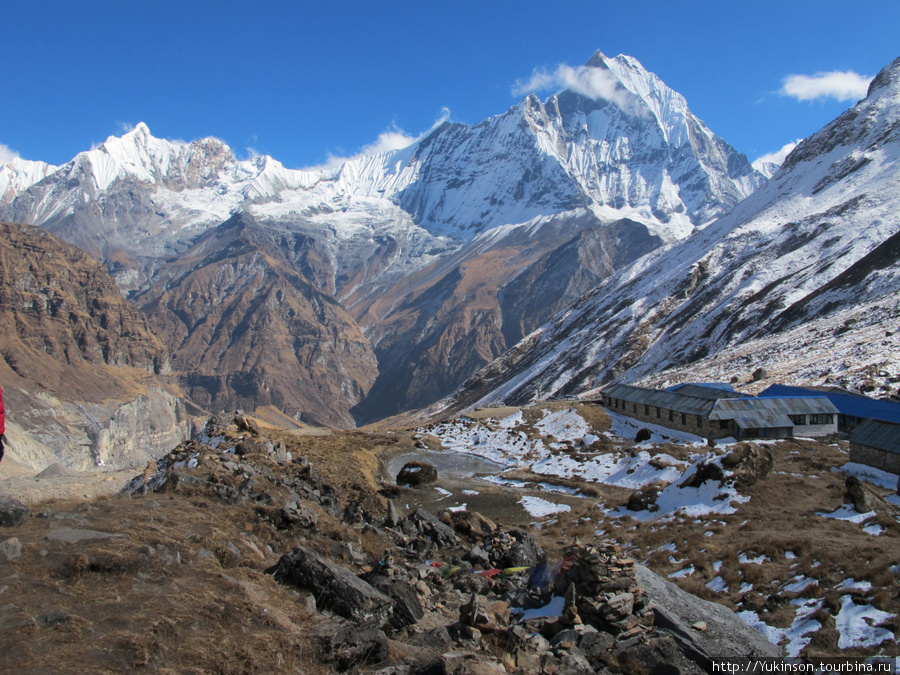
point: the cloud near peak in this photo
(7, 154)
(779, 156)
(839, 85)
(393, 138)
(593, 83)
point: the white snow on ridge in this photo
(764, 285)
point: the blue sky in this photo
(306, 81)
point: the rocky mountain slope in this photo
(81, 369)
(245, 327)
(801, 278)
(251, 548)
(444, 252)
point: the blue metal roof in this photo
(724, 386)
(855, 405)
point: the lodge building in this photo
(717, 411)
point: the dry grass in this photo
(160, 595)
(779, 522)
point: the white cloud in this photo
(778, 156)
(593, 83)
(7, 154)
(391, 139)
(839, 85)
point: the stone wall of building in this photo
(875, 457)
(816, 429)
(706, 428)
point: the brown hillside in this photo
(65, 327)
(246, 329)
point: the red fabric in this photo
(2, 415)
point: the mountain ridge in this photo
(810, 249)
(464, 206)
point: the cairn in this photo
(607, 594)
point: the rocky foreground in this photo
(249, 553)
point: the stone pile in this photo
(606, 592)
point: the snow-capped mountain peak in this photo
(140, 156)
(20, 174)
(800, 279)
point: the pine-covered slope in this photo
(802, 278)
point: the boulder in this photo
(515, 548)
(350, 647)
(245, 423)
(335, 587)
(12, 512)
(296, 513)
(856, 494)
(472, 523)
(417, 473)
(407, 608)
(726, 636)
(11, 549)
(748, 463)
(644, 499)
(428, 526)
(705, 471)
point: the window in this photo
(699, 422)
(723, 424)
(658, 411)
(671, 416)
(684, 419)
(821, 418)
(647, 410)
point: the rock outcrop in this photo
(84, 377)
(246, 329)
(724, 635)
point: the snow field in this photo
(547, 444)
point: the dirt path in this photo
(33, 487)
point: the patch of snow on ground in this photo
(620, 470)
(848, 513)
(874, 530)
(799, 584)
(744, 559)
(854, 585)
(687, 571)
(858, 625)
(539, 508)
(564, 425)
(795, 635)
(709, 497)
(627, 427)
(871, 474)
(717, 585)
